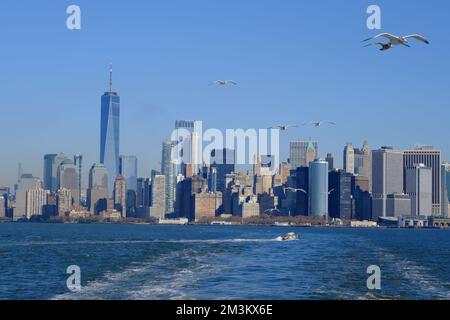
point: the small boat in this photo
(290, 236)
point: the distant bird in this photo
(223, 82)
(396, 40)
(284, 127)
(384, 46)
(318, 123)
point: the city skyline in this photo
(68, 93)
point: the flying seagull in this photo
(223, 82)
(396, 40)
(284, 127)
(318, 123)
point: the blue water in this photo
(213, 262)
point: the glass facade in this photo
(128, 169)
(318, 188)
(109, 136)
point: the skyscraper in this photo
(303, 152)
(120, 195)
(340, 200)
(387, 178)
(2, 206)
(418, 182)
(159, 198)
(431, 158)
(349, 158)
(48, 171)
(168, 171)
(78, 161)
(318, 188)
(36, 199)
(68, 179)
(445, 189)
(143, 193)
(188, 145)
(302, 182)
(365, 169)
(109, 133)
(129, 170)
(98, 188)
(224, 161)
(26, 182)
(51, 167)
(195, 153)
(330, 161)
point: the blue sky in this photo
(294, 60)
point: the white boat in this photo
(281, 224)
(290, 237)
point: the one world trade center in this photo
(109, 133)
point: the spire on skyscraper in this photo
(110, 77)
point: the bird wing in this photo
(309, 122)
(291, 126)
(231, 81)
(383, 35)
(275, 127)
(214, 82)
(417, 37)
(329, 122)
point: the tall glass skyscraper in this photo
(168, 171)
(128, 169)
(318, 188)
(109, 134)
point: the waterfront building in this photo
(249, 209)
(445, 190)
(35, 201)
(397, 205)
(267, 202)
(207, 205)
(431, 158)
(387, 178)
(26, 182)
(418, 184)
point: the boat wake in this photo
(109, 242)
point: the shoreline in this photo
(224, 225)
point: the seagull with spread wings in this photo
(319, 123)
(396, 40)
(284, 127)
(223, 82)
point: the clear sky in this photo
(294, 60)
